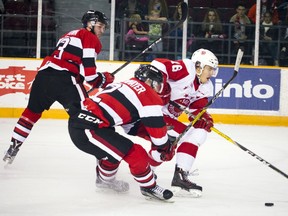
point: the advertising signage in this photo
(252, 89)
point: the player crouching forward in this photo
(92, 129)
(188, 85)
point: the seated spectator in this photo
(136, 32)
(240, 32)
(268, 33)
(136, 37)
(265, 6)
(212, 30)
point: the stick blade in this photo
(238, 59)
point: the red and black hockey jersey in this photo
(128, 102)
(75, 52)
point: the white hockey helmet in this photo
(203, 57)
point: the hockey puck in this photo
(269, 204)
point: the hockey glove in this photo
(205, 122)
(102, 80)
(163, 153)
(165, 94)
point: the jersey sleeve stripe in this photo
(88, 53)
(73, 50)
(152, 110)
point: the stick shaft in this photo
(249, 152)
(236, 143)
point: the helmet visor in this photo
(158, 87)
(215, 72)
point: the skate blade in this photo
(109, 189)
(171, 200)
(7, 162)
(179, 192)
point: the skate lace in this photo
(16, 144)
(194, 173)
(185, 176)
(158, 190)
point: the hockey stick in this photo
(249, 152)
(184, 8)
(234, 142)
(198, 116)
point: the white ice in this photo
(50, 176)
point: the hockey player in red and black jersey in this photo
(92, 129)
(61, 75)
(189, 85)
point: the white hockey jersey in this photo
(186, 89)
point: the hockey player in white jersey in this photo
(191, 86)
(188, 85)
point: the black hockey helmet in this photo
(96, 16)
(152, 73)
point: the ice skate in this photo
(116, 185)
(182, 186)
(157, 192)
(12, 152)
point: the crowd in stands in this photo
(210, 24)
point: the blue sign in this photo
(251, 89)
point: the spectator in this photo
(240, 32)
(265, 6)
(268, 34)
(136, 37)
(155, 30)
(135, 24)
(212, 30)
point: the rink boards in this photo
(257, 96)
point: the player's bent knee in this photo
(137, 158)
(196, 136)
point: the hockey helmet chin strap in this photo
(91, 25)
(198, 65)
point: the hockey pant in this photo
(110, 148)
(49, 86)
(188, 145)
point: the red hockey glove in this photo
(169, 153)
(205, 122)
(163, 153)
(165, 95)
(102, 80)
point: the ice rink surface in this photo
(50, 176)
